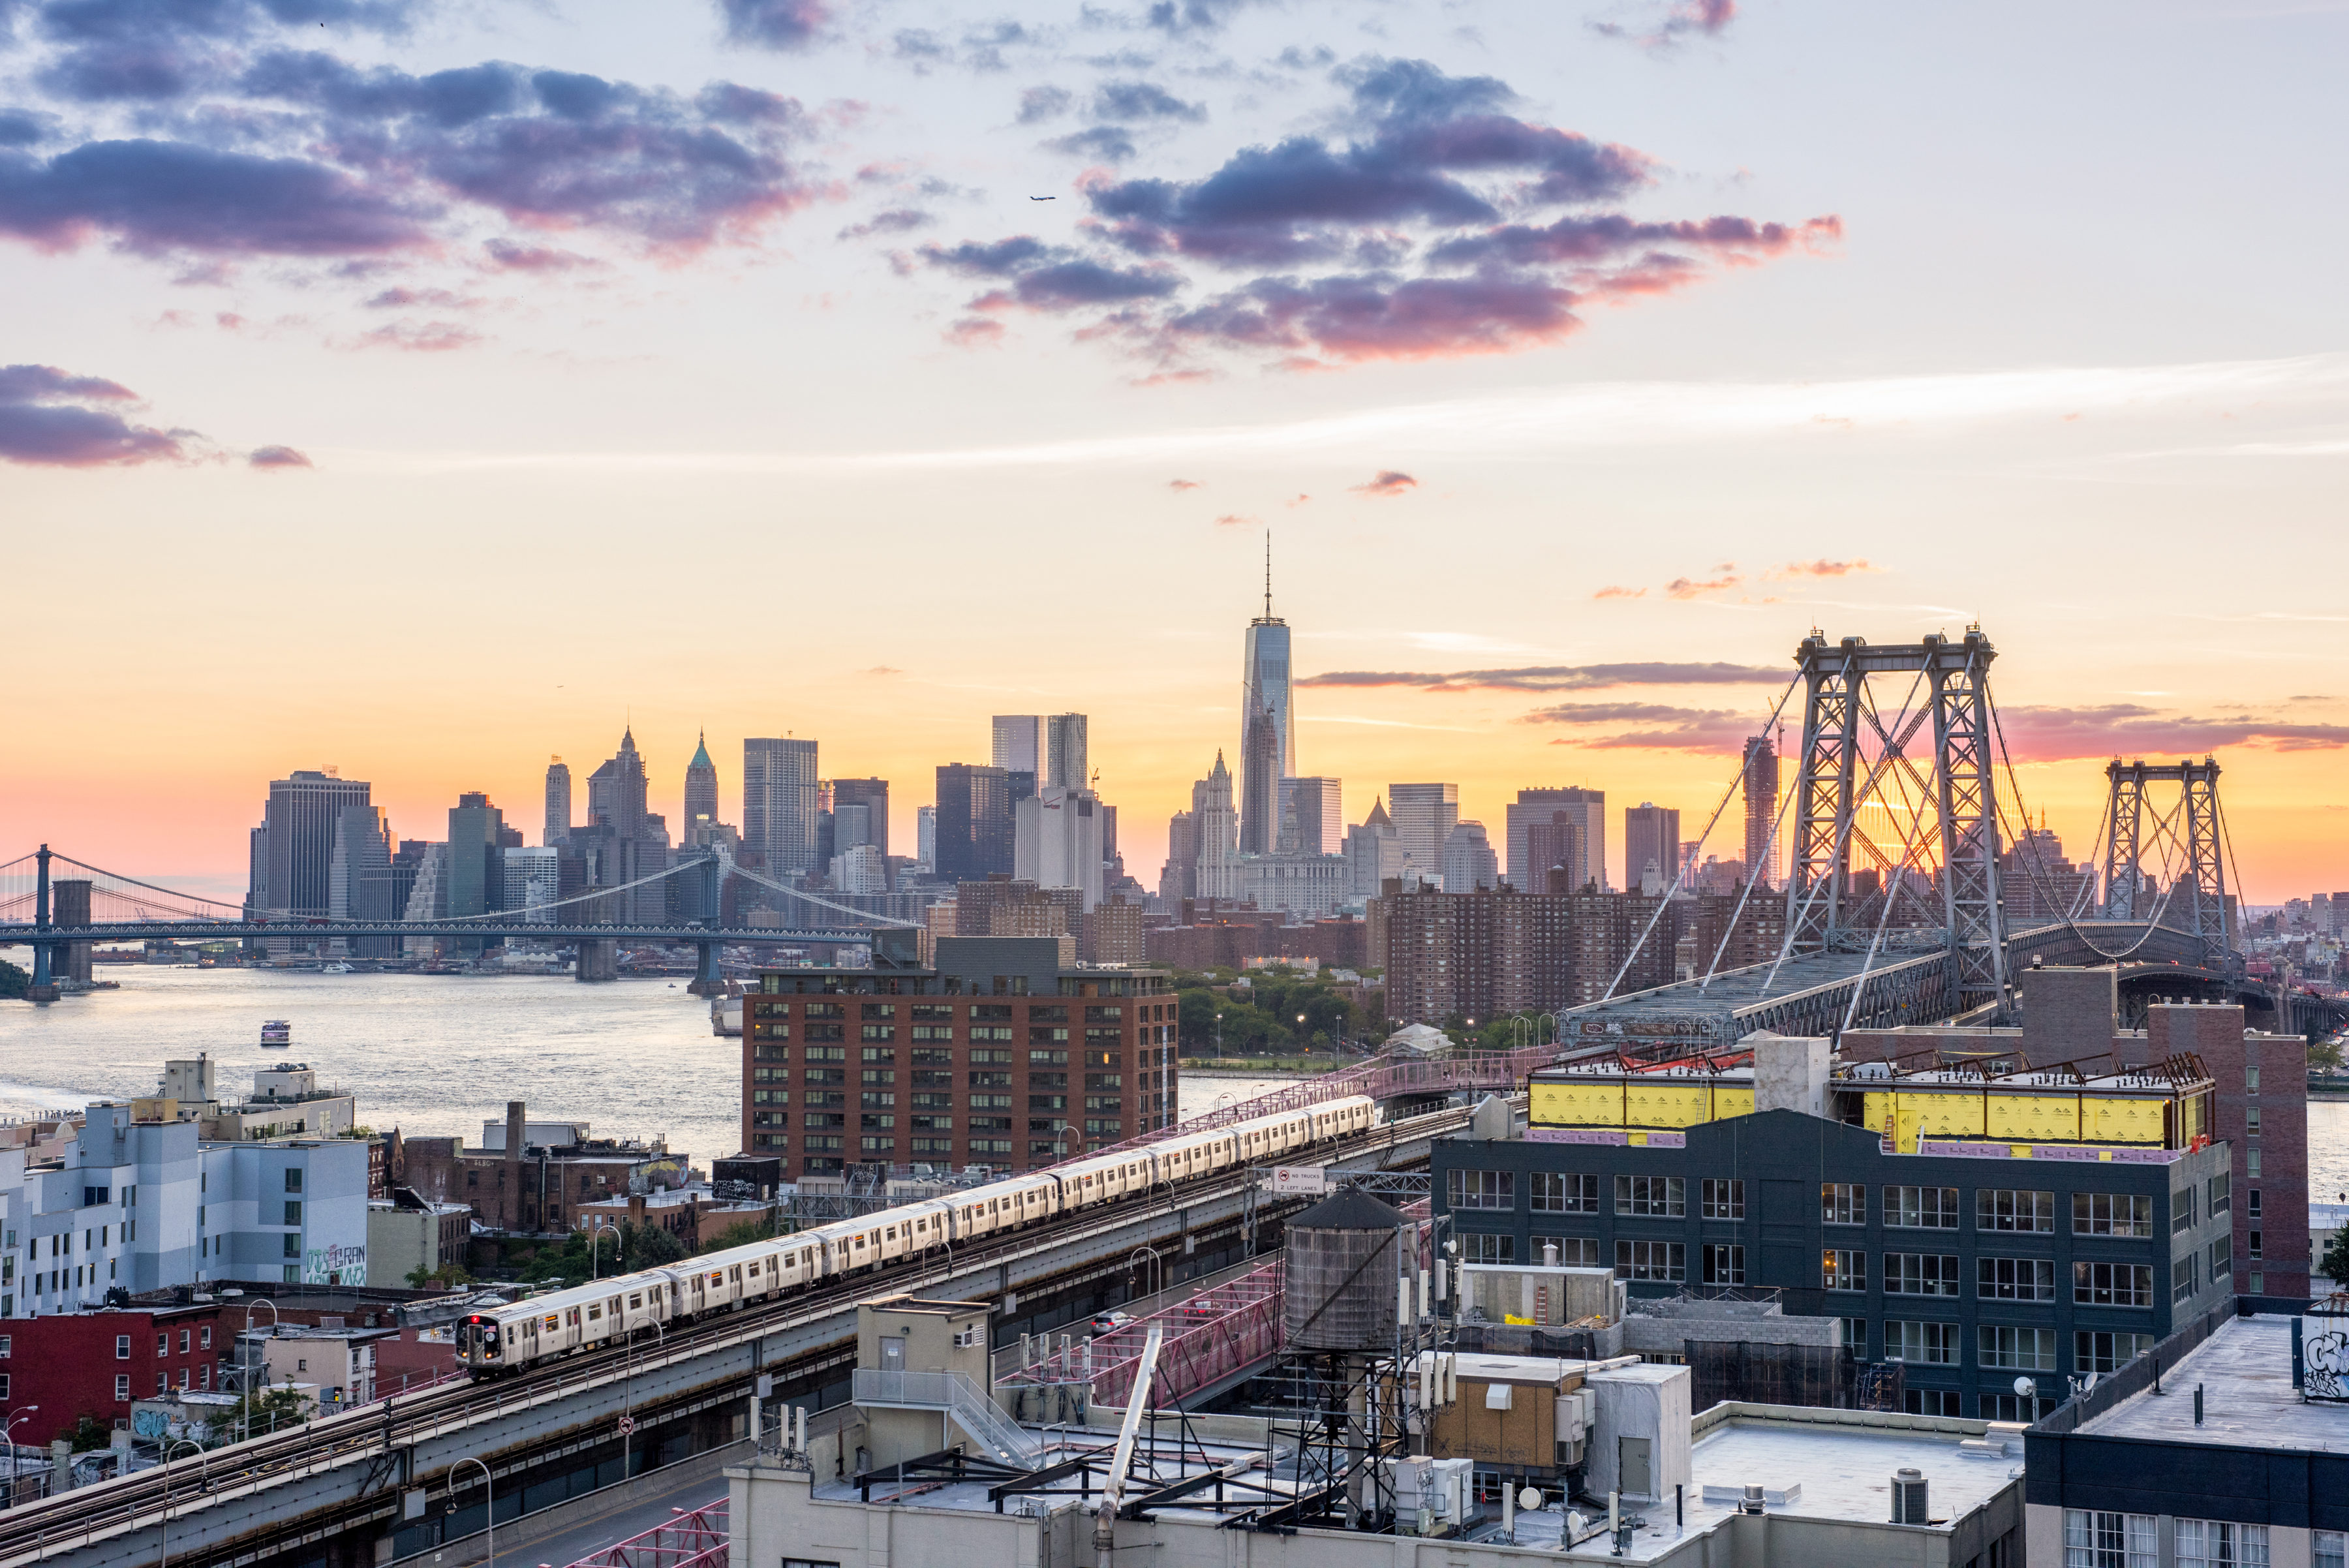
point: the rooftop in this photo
(2244, 1370)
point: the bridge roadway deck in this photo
(342, 1478)
(24, 934)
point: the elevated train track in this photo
(341, 1479)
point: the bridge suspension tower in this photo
(2133, 824)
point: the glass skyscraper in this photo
(1265, 679)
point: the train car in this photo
(581, 1317)
(1194, 1155)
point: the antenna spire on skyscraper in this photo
(1268, 574)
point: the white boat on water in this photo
(276, 1034)
(337, 968)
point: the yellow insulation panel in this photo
(1667, 1104)
(1956, 1115)
(2110, 1119)
(1576, 1105)
(2034, 1118)
(1732, 1100)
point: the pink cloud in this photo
(1391, 481)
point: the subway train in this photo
(581, 1317)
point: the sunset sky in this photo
(426, 389)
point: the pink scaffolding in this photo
(695, 1538)
(1208, 1337)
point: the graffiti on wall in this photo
(337, 1264)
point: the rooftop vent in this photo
(1753, 1500)
(1909, 1499)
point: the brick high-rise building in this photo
(1115, 931)
(1478, 955)
(1652, 833)
(1761, 790)
(1585, 806)
(996, 1053)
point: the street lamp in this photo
(628, 1396)
(8, 1430)
(595, 1234)
(163, 1528)
(245, 1370)
(1301, 1043)
(490, 1513)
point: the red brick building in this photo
(995, 1055)
(95, 1364)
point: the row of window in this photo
(1846, 1268)
(2094, 1539)
(1996, 1210)
(944, 1013)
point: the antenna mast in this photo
(1268, 574)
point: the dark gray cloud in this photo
(51, 418)
(1143, 101)
(788, 25)
(1038, 104)
(1432, 228)
(2131, 729)
(895, 221)
(1561, 677)
(1108, 143)
(277, 457)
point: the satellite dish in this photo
(1531, 1498)
(2091, 1382)
(2026, 1386)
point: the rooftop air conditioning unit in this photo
(965, 1339)
(1908, 1501)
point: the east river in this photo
(431, 1055)
(442, 1054)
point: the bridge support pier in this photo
(599, 958)
(45, 986)
(707, 980)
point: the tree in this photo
(453, 1273)
(263, 1410)
(2335, 1265)
(648, 1246)
(742, 1233)
(14, 981)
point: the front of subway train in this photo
(479, 1346)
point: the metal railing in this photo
(696, 1539)
(960, 1397)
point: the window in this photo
(2181, 1279)
(2014, 1279)
(1843, 1203)
(2222, 1261)
(2181, 1210)
(2099, 1352)
(1666, 1260)
(1855, 1335)
(2094, 1539)
(1481, 1248)
(1723, 1198)
(121, 1347)
(2251, 1080)
(1921, 1208)
(121, 1387)
(293, 1245)
(2221, 1543)
(2251, 1206)
(2008, 1208)
(293, 1178)
(1932, 1402)
(2251, 1162)
(2327, 1548)
(1926, 1344)
(1725, 1265)
(1921, 1274)
(2111, 1214)
(293, 1212)
(1573, 1251)
(2112, 1285)
(1844, 1269)
(186, 1339)
(1655, 1196)
(163, 1345)
(2255, 1253)
(1481, 1188)
(4, 1386)
(1568, 1192)
(2251, 1121)
(2022, 1349)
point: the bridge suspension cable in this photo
(1685, 860)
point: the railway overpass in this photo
(372, 1487)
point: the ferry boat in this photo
(276, 1034)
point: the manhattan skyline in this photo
(880, 446)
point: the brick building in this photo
(1228, 940)
(538, 1174)
(2260, 1104)
(995, 1054)
(95, 1364)
(1489, 953)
